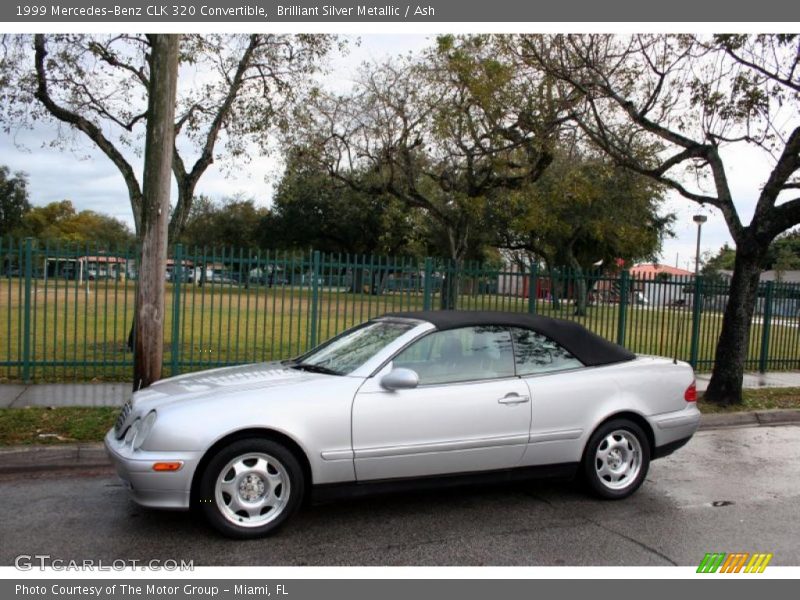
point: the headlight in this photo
(132, 432)
(123, 416)
(144, 430)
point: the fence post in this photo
(765, 327)
(315, 273)
(697, 309)
(26, 322)
(177, 278)
(622, 319)
(426, 294)
(532, 291)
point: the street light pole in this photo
(699, 219)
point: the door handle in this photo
(513, 398)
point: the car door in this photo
(468, 413)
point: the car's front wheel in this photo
(251, 487)
(616, 460)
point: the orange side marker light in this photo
(167, 466)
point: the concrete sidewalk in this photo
(758, 380)
(14, 395)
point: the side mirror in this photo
(400, 379)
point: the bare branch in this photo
(786, 215)
(787, 81)
(91, 130)
(104, 52)
(188, 180)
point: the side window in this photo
(466, 354)
(535, 353)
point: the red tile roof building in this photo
(651, 270)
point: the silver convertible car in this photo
(418, 398)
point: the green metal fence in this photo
(66, 310)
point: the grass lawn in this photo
(39, 425)
(759, 399)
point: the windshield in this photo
(346, 353)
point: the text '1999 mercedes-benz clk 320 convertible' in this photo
(405, 399)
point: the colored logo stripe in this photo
(734, 562)
(711, 562)
(758, 563)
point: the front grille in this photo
(123, 416)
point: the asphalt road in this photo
(730, 490)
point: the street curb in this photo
(723, 420)
(778, 417)
(785, 416)
(15, 459)
(45, 458)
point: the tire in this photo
(616, 459)
(250, 488)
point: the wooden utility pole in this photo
(159, 142)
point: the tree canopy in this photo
(60, 221)
(313, 210)
(439, 132)
(14, 202)
(232, 222)
(585, 211)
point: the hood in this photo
(220, 383)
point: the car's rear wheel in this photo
(251, 487)
(616, 460)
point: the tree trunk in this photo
(725, 386)
(357, 281)
(581, 294)
(579, 288)
(449, 295)
(180, 214)
(555, 292)
(380, 281)
(149, 320)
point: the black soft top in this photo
(589, 348)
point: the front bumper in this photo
(164, 489)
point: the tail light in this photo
(690, 395)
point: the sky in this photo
(87, 178)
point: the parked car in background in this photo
(220, 276)
(268, 279)
(451, 396)
(186, 275)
